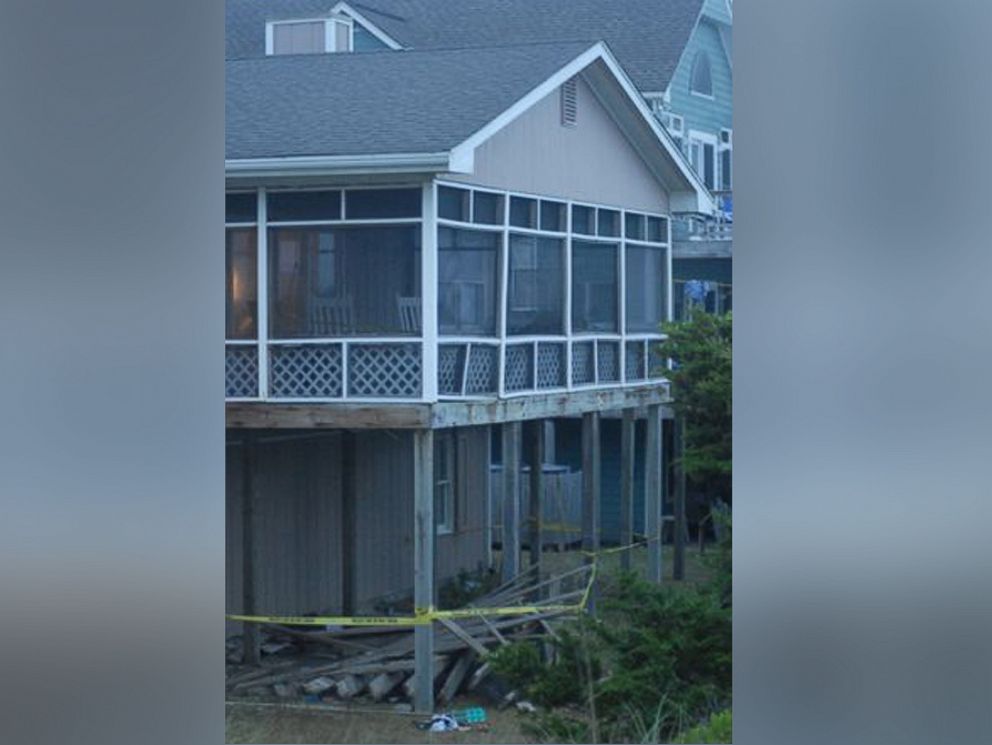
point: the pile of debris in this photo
(376, 663)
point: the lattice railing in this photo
(306, 371)
(240, 371)
(384, 370)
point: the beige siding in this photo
(592, 161)
(298, 519)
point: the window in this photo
(313, 36)
(536, 302)
(645, 301)
(583, 220)
(342, 281)
(726, 156)
(701, 81)
(523, 212)
(453, 204)
(552, 216)
(488, 208)
(376, 204)
(609, 222)
(702, 156)
(569, 103)
(241, 207)
(595, 286)
(242, 284)
(444, 481)
(290, 206)
(468, 273)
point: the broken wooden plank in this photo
(457, 675)
(458, 631)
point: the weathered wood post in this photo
(627, 450)
(590, 490)
(535, 459)
(653, 479)
(249, 487)
(423, 567)
(511, 500)
(678, 563)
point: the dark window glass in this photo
(645, 272)
(702, 80)
(241, 207)
(452, 204)
(468, 288)
(609, 223)
(343, 281)
(657, 229)
(304, 205)
(241, 308)
(582, 220)
(375, 204)
(488, 208)
(595, 286)
(635, 226)
(725, 181)
(523, 212)
(536, 292)
(552, 216)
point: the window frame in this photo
(330, 33)
(445, 484)
(701, 55)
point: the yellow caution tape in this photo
(426, 616)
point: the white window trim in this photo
(343, 9)
(705, 138)
(447, 440)
(330, 37)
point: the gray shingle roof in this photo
(378, 103)
(647, 36)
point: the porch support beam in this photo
(249, 488)
(590, 488)
(627, 452)
(535, 459)
(511, 500)
(678, 562)
(423, 566)
(653, 479)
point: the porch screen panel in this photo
(645, 288)
(595, 286)
(536, 285)
(241, 308)
(344, 281)
(468, 281)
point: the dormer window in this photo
(314, 36)
(701, 80)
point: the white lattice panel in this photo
(450, 366)
(582, 363)
(608, 361)
(483, 366)
(387, 370)
(550, 365)
(305, 371)
(519, 361)
(240, 371)
(635, 360)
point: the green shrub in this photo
(719, 729)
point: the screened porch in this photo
(438, 291)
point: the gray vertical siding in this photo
(298, 519)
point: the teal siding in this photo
(717, 9)
(364, 41)
(704, 114)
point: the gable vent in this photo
(569, 103)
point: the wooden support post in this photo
(249, 489)
(511, 500)
(590, 489)
(535, 458)
(627, 450)
(349, 524)
(653, 479)
(678, 562)
(423, 566)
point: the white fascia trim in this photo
(337, 164)
(378, 33)
(706, 203)
(463, 154)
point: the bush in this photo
(719, 729)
